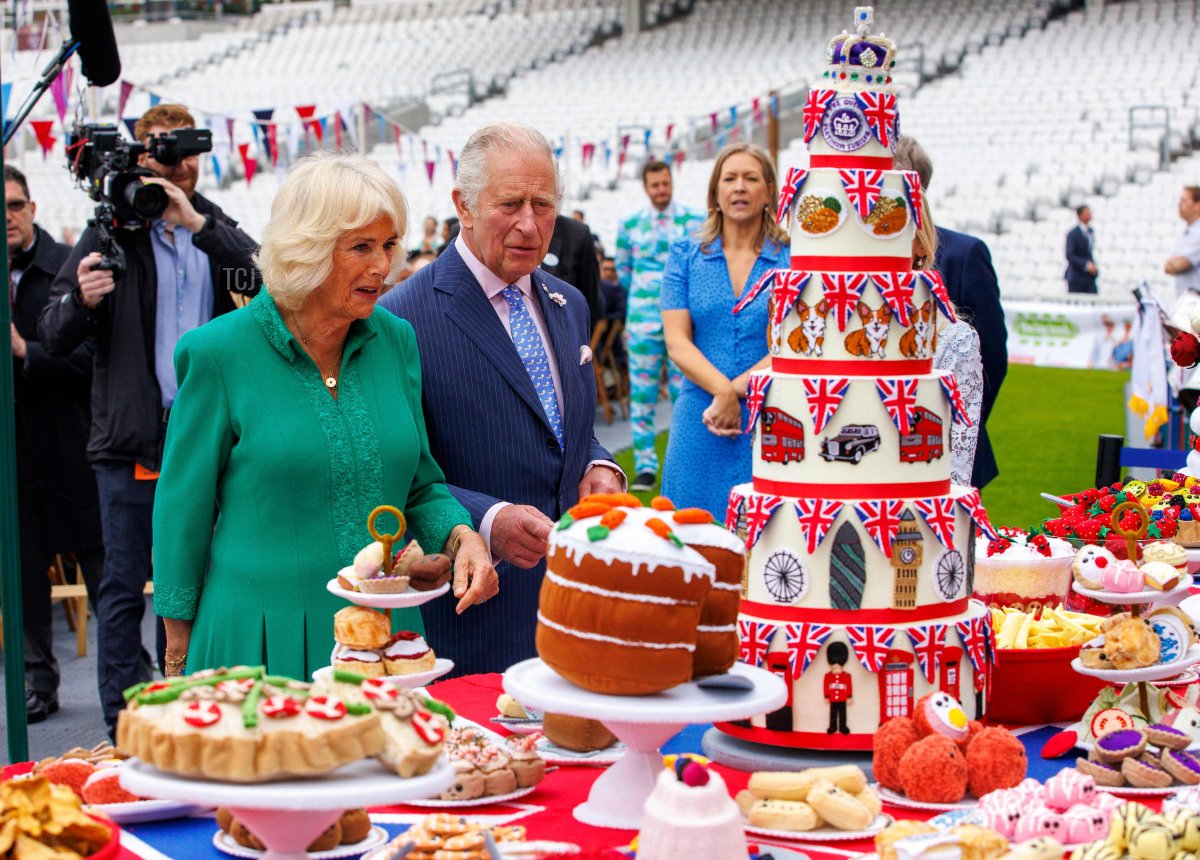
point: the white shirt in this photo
(1189, 246)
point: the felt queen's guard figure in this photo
(839, 687)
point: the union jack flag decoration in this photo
(733, 510)
(880, 111)
(814, 110)
(912, 190)
(928, 643)
(792, 183)
(954, 395)
(938, 287)
(751, 294)
(754, 640)
(863, 187)
(758, 509)
(896, 288)
(974, 506)
(899, 396)
(938, 513)
(871, 644)
(974, 640)
(788, 286)
(756, 395)
(881, 519)
(843, 292)
(804, 642)
(816, 518)
(824, 396)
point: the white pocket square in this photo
(585, 354)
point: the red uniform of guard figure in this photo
(839, 688)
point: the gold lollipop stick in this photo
(387, 540)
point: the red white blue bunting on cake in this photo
(938, 513)
(733, 510)
(974, 506)
(804, 641)
(938, 287)
(786, 292)
(899, 397)
(792, 184)
(761, 284)
(843, 293)
(973, 634)
(881, 519)
(912, 191)
(814, 111)
(871, 644)
(758, 510)
(896, 288)
(757, 385)
(824, 396)
(954, 395)
(816, 518)
(863, 187)
(754, 638)
(928, 642)
(880, 111)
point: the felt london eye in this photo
(785, 576)
(950, 574)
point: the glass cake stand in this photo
(643, 724)
(288, 815)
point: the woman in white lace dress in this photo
(958, 351)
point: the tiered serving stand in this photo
(643, 724)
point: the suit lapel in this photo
(566, 353)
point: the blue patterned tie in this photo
(533, 353)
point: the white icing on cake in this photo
(347, 654)
(631, 542)
(684, 822)
(618, 595)
(402, 648)
(706, 534)
(613, 640)
(716, 628)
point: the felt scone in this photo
(621, 601)
(361, 629)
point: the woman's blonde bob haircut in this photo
(326, 195)
(768, 228)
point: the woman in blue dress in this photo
(716, 350)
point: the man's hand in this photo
(520, 535)
(18, 342)
(475, 580)
(600, 479)
(1091, 268)
(94, 284)
(179, 211)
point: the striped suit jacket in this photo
(489, 433)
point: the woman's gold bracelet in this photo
(174, 665)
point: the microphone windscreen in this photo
(92, 27)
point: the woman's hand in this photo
(475, 580)
(179, 635)
(723, 417)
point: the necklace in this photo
(331, 379)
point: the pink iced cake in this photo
(690, 814)
(1023, 572)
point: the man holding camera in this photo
(181, 269)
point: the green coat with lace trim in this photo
(267, 482)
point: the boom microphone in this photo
(92, 28)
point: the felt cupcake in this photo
(1121, 744)
(1182, 765)
(1103, 774)
(1167, 737)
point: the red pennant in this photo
(273, 143)
(41, 128)
(305, 112)
(249, 163)
(430, 168)
(126, 92)
(337, 129)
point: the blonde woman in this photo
(296, 416)
(715, 349)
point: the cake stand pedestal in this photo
(643, 724)
(287, 816)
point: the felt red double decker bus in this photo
(924, 441)
(782, 436)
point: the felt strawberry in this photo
(1107, 503)
(1168, 527)
(1057, 527)
(1130, 521)
(1116, 545)
(997, 547)
(1041, 544)
(1089, 530)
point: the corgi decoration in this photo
(870, 341)
(809, 338)
(915, 342)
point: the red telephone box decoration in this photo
(896, 686)
(951, 672)
(778, 663)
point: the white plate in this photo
(897, 799)
(518, 726)
(223, 842)
(824, 834)
(1157, 672)
(1149, 595)
(411, 597)
(1132, 791)
(1191, 606)
(441, 666)
(435, 803)
(554, 754)
(139, 811)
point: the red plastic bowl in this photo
(1038, 685)
(111, 849)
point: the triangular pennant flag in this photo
(792, 183)
(788, 286)
(712, 121)
(733, 510)
(881, 519)
(816, 517)
(670, 129)
(954, 395)
(733, 115)
(863, 187)
(5, 93)
(896, 288)
(453, 164)
(305, 112)
(824, 396)
(880, 111)
(974, 506)
(938, 287)
(928, 643)
(871, 644)
(351, 122)
(912, 192)
(229, 130)
(751, 294)
(155, 99)
(272, 141)
(42, 131)
(974, 641)
(756, 110)
(804, 641)
(843, 293)
(757, 385)
(899, 397)
(814, 111)
(249, 163)
(216, 169)
(758, 510)
(131, 124)
(263, 115)
(337, 129)
(938, 513)
(754, 640)
(430, 169)
(588, 153)
(58, 89)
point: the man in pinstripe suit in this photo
(508, 387)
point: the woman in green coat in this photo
(295, 418)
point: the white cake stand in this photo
(643, 723)
(287, 816)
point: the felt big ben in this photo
(906, 559)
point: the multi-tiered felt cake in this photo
(857, 589)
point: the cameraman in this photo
(182, 271)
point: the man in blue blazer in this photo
(1081, 265)
(508, 388)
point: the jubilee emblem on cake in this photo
(857, 585)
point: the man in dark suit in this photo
(508, 390)
(572, 258)
(1081, 265)
(57, 504)
(966, 266)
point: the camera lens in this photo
(148, 201)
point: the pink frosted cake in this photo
(690, 814)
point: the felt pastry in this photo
(1123, 577)
(1182, 765)
(1041, 848)
(1103, 774)
(783, 815)
(1119, 744)
(838, 807)
(576, 733)
(1145, 773)
(1090, 561)
(1159, 576)
(360, 628)
(1166, 552)
(430, 572)
(1132, 644)
(407, 653)
(1083, 823)
(1069, 788)
(1167, 737)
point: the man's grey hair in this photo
(490, 140)
(910, 155)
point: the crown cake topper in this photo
(860, 50)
